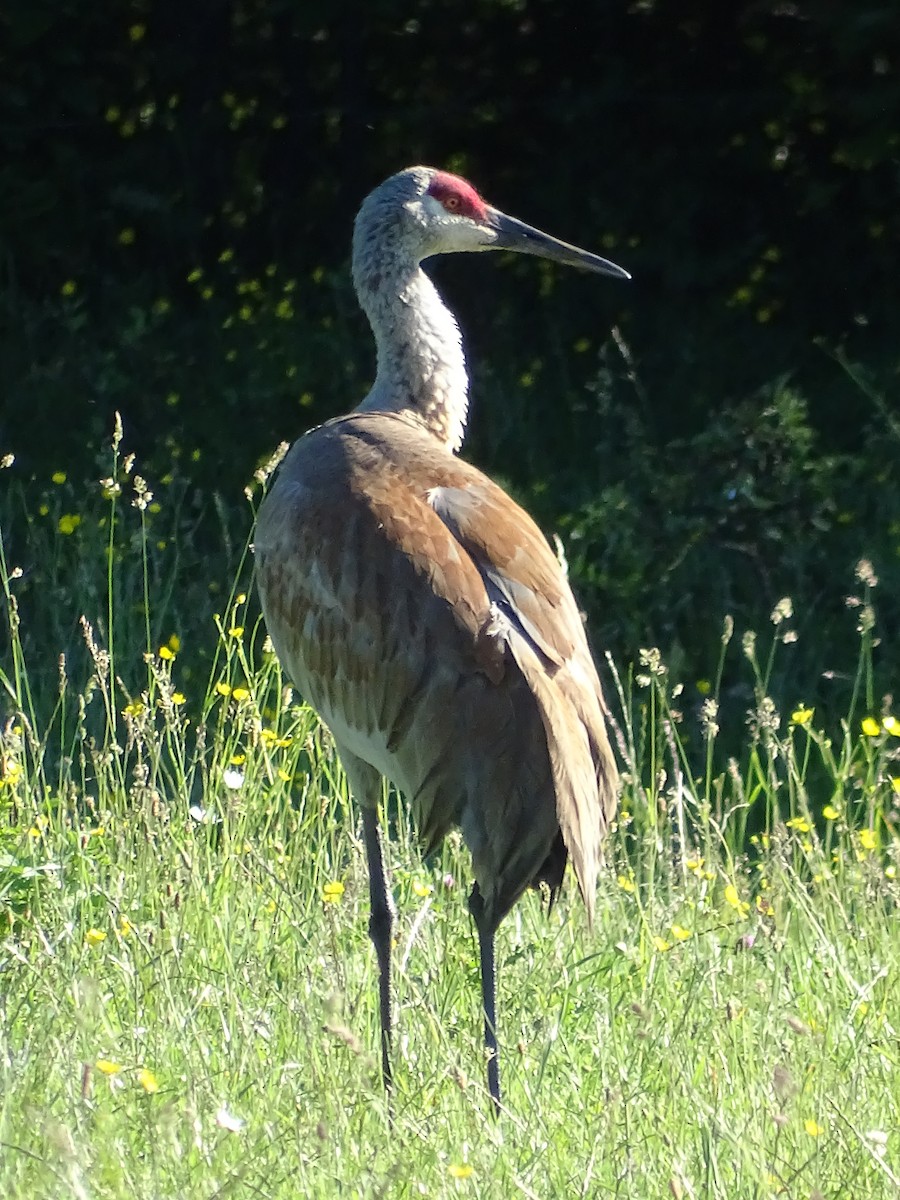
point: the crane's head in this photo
(422, 211)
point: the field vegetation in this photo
(189, 1003)
(187, 989)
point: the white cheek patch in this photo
(457, 232)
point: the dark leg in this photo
(486, 930)
(381, 925)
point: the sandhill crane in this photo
(421, 611)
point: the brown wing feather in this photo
(525, 580)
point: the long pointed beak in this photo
(516, 235)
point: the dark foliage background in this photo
(178, 184)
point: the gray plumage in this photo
(421, 611)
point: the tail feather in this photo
(581, 762)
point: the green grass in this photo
(188, 1003)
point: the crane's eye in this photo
(457, 197)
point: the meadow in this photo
(188, 1000)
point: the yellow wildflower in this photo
(802, 715)
(830, 813)
(870, 727)
(892, 725)
(661, 945)
(679, 933)
(867, 839)
(94, 937)
(626, 884)
(799, 823)
(166, 653)
(148, 1081)
(178, 697)
(333, 892)
(240, 693)
(11, 772)
(41, 821)
(69, 522)
(813, 1128)
(69, 288)
(58, 477)
(733, 898)
(224, 689)
(422, 889)
(460, 1170)
(106, 1067)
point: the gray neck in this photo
(421, 367)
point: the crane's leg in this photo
(381, 927)
(487, 928)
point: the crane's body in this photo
(421, 611)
